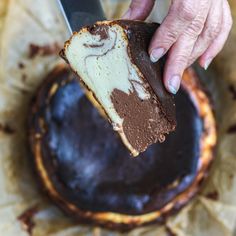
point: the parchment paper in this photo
(24, 23)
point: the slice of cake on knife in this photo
(113, 64)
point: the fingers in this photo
(191, 29)
(139, 9)
(211, 29)
(220, 40)
(180, 52)
(177, 62)
(179, 17)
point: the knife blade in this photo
(78, 13)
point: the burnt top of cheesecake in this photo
(89, 166)
(140, 34)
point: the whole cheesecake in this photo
(88, 172)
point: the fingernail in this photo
(156, 54)
(174, 84)
(207, 63)
(127, 14)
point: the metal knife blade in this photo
(79, 13)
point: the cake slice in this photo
(113, 64)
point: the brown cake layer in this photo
(87, 171)
(112, 62)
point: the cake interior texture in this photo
(101, 56)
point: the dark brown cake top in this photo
(89, 166)
(140, 35)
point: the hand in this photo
(192, 29)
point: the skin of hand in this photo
(192, 29)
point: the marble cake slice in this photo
(113, 64)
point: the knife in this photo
(79, 13)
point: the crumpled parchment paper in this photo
(28, 25)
